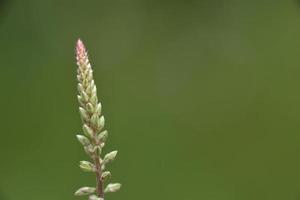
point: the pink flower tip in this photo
(80, 49)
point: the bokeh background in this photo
(201, 97)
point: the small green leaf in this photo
(87, 166)
(112, 187)
(85, 191)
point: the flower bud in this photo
(102, 137)
(105, 175)
(94, 120)
(89, 150)
(87, 166)
(94, 99)
(112, 187)
(110, 157)
(98, 109)
(85, 191)
(84, 96)
(84, 115)
(83, 140)
(101, 122)
(89, 107)
(79, 87)
(88, 131)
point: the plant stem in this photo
(99, 181)
(96, 159)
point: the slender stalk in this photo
(99, 181)
(98, 171)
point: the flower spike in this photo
(94, 136)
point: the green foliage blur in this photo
(201, 97)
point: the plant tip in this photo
(80, 50)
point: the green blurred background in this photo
(201, 97)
